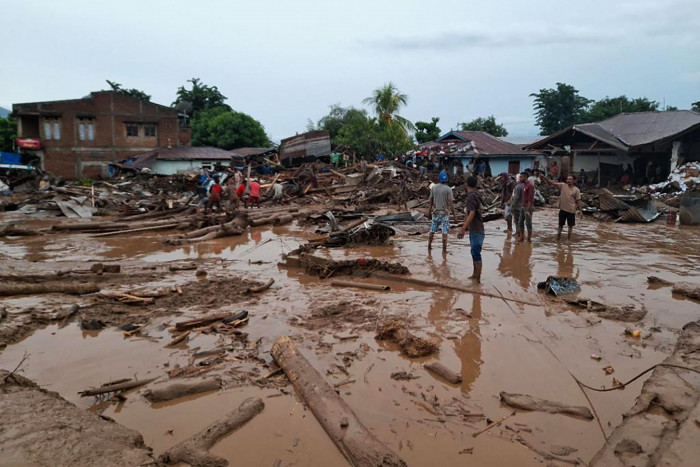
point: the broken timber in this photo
(71, 288)
(359, 446)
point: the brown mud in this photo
(494, 344)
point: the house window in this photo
(132, 129)
(52, 128)
(86, 129)
(149, 130)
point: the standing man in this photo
(528, 206)
(441, 205)
(569, 203)
(507, 186)
(231, 187)
(554, 171)
(254, 198)
(215, 191)
(278, 192)
(516, 205)
(475, 225)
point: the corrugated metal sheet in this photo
(312, 143)
(640, 210)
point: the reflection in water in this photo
(256, 236)
(468, 348)
(565, 262)
(515, 261)
(443, 299)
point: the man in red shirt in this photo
(214, 196)
(254, 198)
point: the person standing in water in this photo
(569, 203)
(475, 225)
(441, 205)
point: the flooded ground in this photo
(513, 339)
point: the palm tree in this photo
(387, 101)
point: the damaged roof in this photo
(629, 130)
(485, 143)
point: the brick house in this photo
(79, 137)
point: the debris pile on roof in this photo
(682, 179)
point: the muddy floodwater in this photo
(512, 339)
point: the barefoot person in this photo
(475, 226)
(507, 187)
(441, 205)
(569, 202)
(528, 207)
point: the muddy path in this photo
(494, 343)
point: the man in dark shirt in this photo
(507, 186)
(528, 206)
(474, 223)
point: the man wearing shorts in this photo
(441, 205)
(507, 187)
(475, 224)
(569, 202)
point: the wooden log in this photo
(261, 288)
(194, 451)
(359, 285)
(193, 323)
(444, 372)
(283, 219)
(115, 387)
(227, 232)
(128, 298)
(143, 229)
(354, 224)
(178, 339)
(261, 221)
(71, 288)
(175, 391)
(359, 445)
(11, 231)
(687, 289)
(157, 214)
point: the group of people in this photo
(518, 201)
(215, 186)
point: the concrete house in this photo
(80, 137)
(663, 139)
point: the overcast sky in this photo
(284, 62)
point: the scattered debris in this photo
(559, 285)
(627, 313)
(412, 346)
(525, 402)
(444, 372)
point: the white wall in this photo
(165, 167)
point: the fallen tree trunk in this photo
(283, 219)
(525, 402)
(686, 289)
(173, 225)
(184, 325)
(359, 285)
(261, 221)
(444, 372)
(11, 231)
(359, 446)
(261, 288)
(175, 391)
(158, 214)
(115, 387)
(71, 288)
(195, 450)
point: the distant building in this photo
(80, 137)
(460, 147)
(608, 147)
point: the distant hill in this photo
(4, 112)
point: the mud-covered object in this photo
(525, 402)
(91, 325)
(559, 285)
(627, 313)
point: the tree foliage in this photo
(559, 108)
(695, 106)
(386, 102)
(611, 106)
(8, 134)
(427, 131)
(340, 117)
(201, 97)
(140, 95)
(227, 129)
(488, 124)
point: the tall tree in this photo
(386, 102)
(558, 108)
(695, 106)
(227, 129)
(427, 131)
(200, 97)
(8, 134)
(611, 106)
(339, 117)
(116, 87)
(488, 124)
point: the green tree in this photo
(8, 134)
(116, 87)
(558, 108)
(611, 106)
(227, 129)
(427, 131)
(339, 117)
(386, 102)
(200, 97)
(488, 124)
(695, 106)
